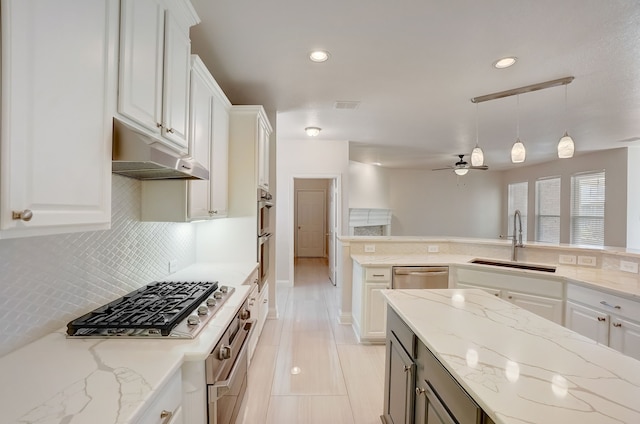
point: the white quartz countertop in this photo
(56, 380)
(616, 282)
(521, 368)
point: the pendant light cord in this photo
(518, 117)
(476, 124)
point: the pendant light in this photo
(477, 155)
(518, 151)
(566, 147)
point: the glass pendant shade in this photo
(566, 147)
(518, 152)
(477, 156)
(461, 171)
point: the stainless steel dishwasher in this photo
(420, 277)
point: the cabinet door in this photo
(219, 171)
(588, 322)
(400, 381)
(624, 337)
(489, 290)
(545, 307)
(141, 62)
(263, 155)
(177, 66)
(200, 138)
(58, 99)
(375, 310)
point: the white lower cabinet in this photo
(608, 319)
(542, 296)
(166, 408)
(369, 307)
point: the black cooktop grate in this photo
(159, 306)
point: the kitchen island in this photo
(517, 366)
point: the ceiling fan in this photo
(462, 167)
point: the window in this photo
(518, 193)
(548, 210)
(587, 208)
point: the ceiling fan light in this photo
(477, 156)
(566, 147)
(518, 152)
(461, 171)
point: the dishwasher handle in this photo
(421, 270)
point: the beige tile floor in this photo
(309, 369)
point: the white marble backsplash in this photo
(47, 281)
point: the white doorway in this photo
(315, 221)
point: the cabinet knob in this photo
(24, 215)
(407, 368)
(265, 300)
(166, 416)
(213, 212)
(158, 125)
(420, 391)
(617, 324)
(496, 294)
(170, 130)
(510, 297)
(602, 319)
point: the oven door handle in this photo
(220, 388)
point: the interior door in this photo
(311, 223)
(332, 239)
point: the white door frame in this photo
(292, 195)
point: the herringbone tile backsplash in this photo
(46, 282)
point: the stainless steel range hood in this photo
(138, 155)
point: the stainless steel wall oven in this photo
(264, 235)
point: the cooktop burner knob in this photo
(211, 301)
(193, 319)
(203, 310)
(224, 289)
(217, 295)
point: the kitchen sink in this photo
(517, 265)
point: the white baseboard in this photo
(345, 318)
(285, 283)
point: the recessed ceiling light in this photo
(319, 56)
(376, 164)
(312, 131)
(505, 62)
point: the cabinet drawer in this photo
(167, 399)
(604, 301)
(456, 400)
(403, 333)
(377, 274)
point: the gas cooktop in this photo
(160, 309)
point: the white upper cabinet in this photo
(180, 200)
(155, 67)
(263, 154)
(59, 70)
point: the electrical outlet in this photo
(369, 248)
(627, 266)
(587, 260)
(173, 265)
(433, 248)
(567, 259)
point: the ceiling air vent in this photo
(346, 105)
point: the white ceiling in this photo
(415, 64)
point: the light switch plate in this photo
(567, 259)
(433, 248)
(627, 266)
(587, 260)
(369, 248)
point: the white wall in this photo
(368, 186)
(427, 203)
(613, 161)
(305, 159)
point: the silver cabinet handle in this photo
(608, 305)
(225, 353)
(407, 368)
(166, 416)
(265, 300)
(420, 391)
(24, 215)
(602, 319)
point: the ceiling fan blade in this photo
(482, 168)
(448, 168)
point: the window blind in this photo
(587, 208)
(517, 199)
(548, 210)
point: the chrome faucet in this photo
(514, 244)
